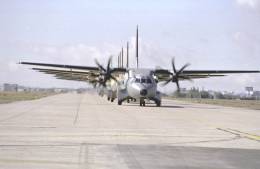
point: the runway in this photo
(86, 131)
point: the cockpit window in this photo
(143, 80)
(149, 81)
(137, 80)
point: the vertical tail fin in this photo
(137, 63)
(122, 57)
(127, 55)
(119, 59)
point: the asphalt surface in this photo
(86, 131)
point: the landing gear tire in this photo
(108, 98)
(112, 99)
(119, 102)
(142, 103)
(158, 103)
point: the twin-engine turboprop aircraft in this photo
(126, 83)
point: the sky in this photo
(223, 34)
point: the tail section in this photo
(127, 55)
(137, 63)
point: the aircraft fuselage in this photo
(139, 84)
(141, 87)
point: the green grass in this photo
(8, 97)
(251, 104)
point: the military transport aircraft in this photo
(126, 83)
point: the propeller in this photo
(176, 75)
(95, 83)
(106, 73)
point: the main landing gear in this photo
(158, 103)
(110, 99)
(119, 102)
(142, 102)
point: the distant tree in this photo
(219, 95)
(179, 94)
(193, 93)
(205, 95)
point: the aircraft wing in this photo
(164, 74)
(65, 67)
(85, 76)
(71, 72)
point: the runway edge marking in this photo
(241, 134)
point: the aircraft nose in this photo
(143, 92)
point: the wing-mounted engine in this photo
(177, 74)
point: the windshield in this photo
(149, 80)
(143, 80)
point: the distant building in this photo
(249, 90)
(10, 87)
(256, 95)
(21, 88)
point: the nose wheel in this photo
(142, 103)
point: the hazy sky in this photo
(223, 34)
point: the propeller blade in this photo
(109, 63)
(102, 82)
(183, 67)
(105, 74)
(177, 75)
(178, 86)
(94, 85)
(173, 66)
(166, 82)
(99, 65)
(112, 77)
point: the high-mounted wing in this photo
(175, 75)
(84, 76)
(88, 74)
(62, 66)
(164, 74)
